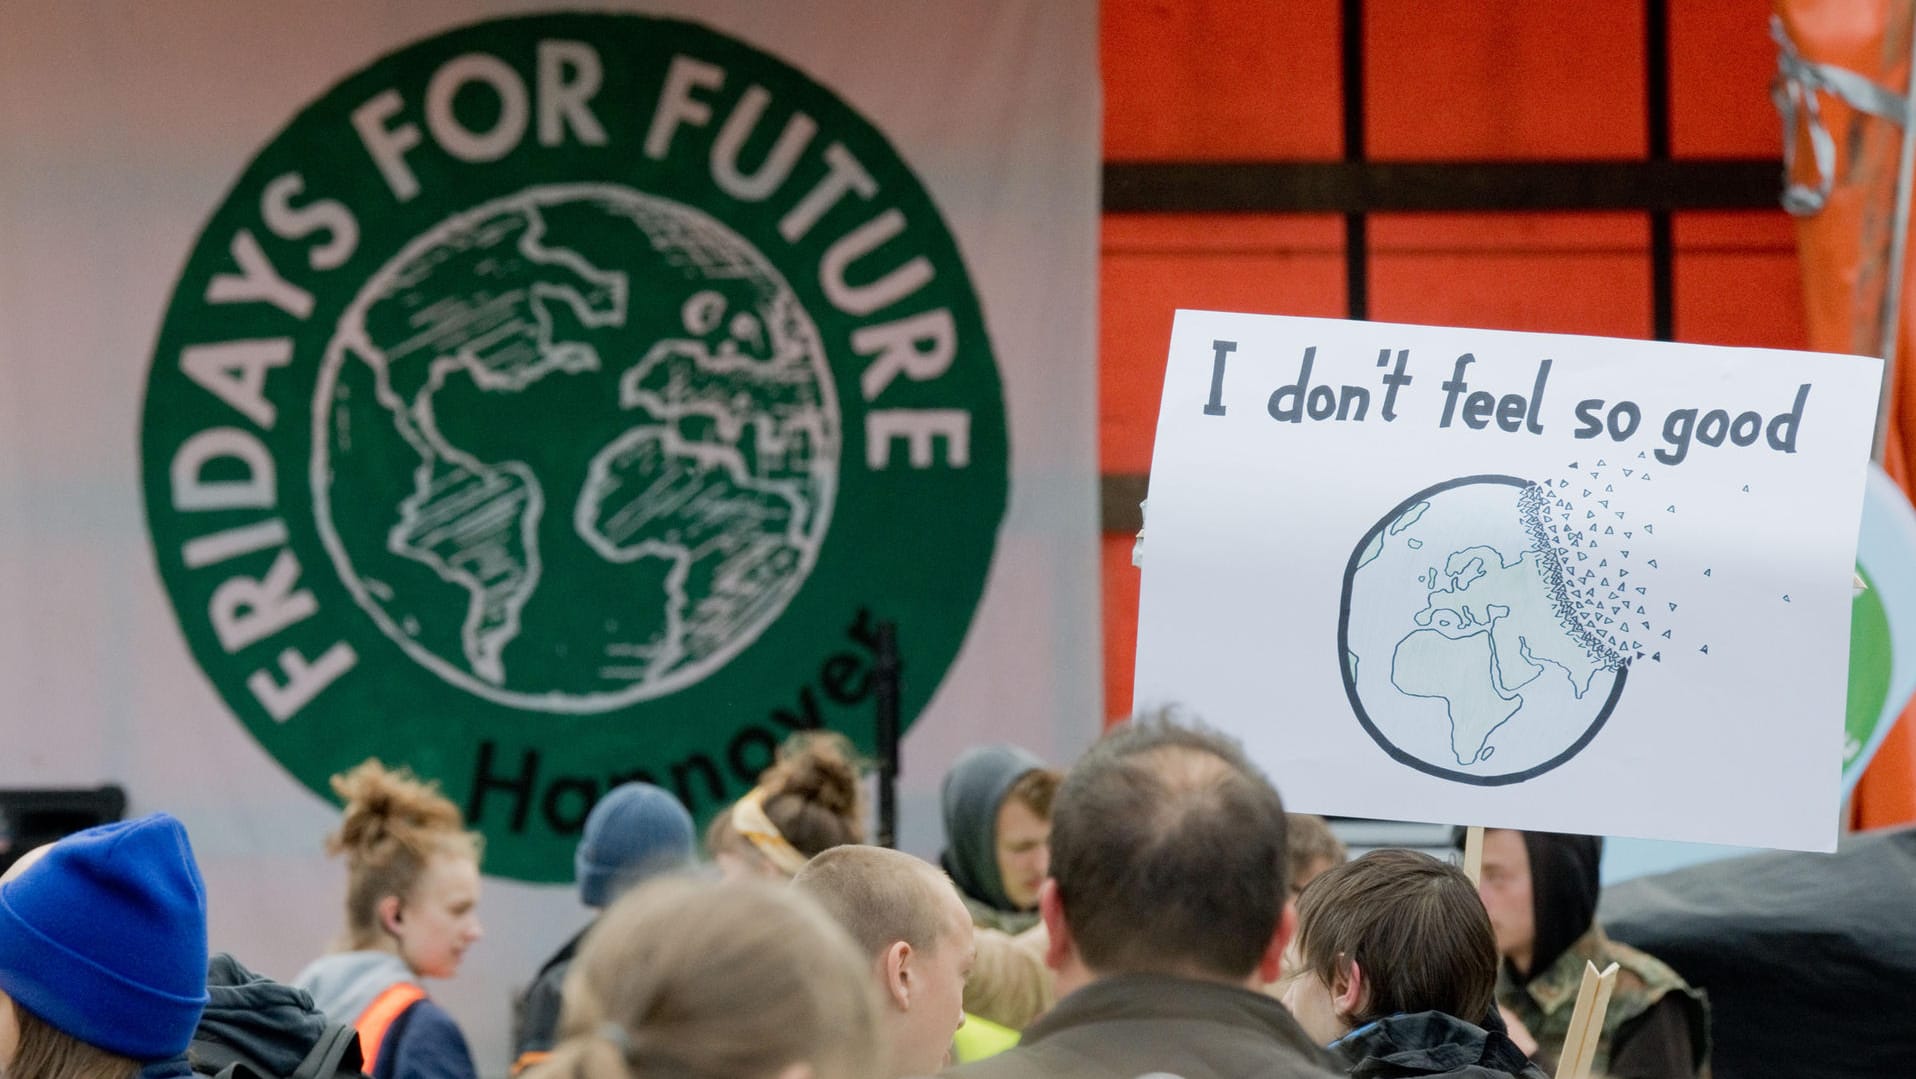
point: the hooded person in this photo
(637, 831)
(102, 952)
(1540, 890)
(997, 809)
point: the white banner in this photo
(1521, 580)
(541, 399)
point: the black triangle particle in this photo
(1666, 634)
(1673, 606)
(1653, 564)
(1586, 492)
(1587, 514)
(1619, 515)
(1657, 658)
(1746, 488)
(1626, 473)
(1627, 535)
(1672, 509)
(1600, 464)
(1609, 490)
(1574, 464)
(1650, 530)
(1640, 591)
(1786, 599)
(1604, 502)
(1642, 456)
(1705, 649)
(1626, 554)
(1706, 573)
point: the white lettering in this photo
(192, 491)
(246, 611)
(257, 281)
(918, 427)
(920, 347)
(843, 175)
(777, 165)
(218, 547)
(676, 104)
(458, 140)
(563, 97)
(235, 372)
(303, 680)
(856, 244)
(388, 146)
(290, 222)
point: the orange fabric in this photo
(1258, 80)
(529, 1058)
(1843, 253)
(379, 1016)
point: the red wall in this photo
(1206, 80)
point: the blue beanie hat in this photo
(637, 829)
(104, 938)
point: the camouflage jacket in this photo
(1545, 1002)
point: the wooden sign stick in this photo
(1474, 852)
(1586, 1022)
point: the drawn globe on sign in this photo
(575, 448)
(1466, 650)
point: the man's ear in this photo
(1059, 948)
(894, 974)
(1348, 990)
(389, 914)
(1270, 967)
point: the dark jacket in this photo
(1129, 1025)
(273, 1029)
(1432, 1044)
(536, 1022)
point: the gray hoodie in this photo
(343, 984)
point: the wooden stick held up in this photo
(1586, 1022)
(1474, 852)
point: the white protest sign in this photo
(1525, 580)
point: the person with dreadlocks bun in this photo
(412, 897)
(804, 803)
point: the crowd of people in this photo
(1152, 910)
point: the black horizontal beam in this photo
(1355, 187)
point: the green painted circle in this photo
(1871, 657)
(587, 458)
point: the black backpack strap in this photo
(336, 1051)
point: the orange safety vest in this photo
(379, 1016)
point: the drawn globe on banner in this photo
(1463, 653)
(670, 527)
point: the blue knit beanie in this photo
(636, 830)
(104, 938)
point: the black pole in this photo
(885, 669)
(1656, 95)
(1356, 224)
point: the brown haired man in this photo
(1398, 967)
(1166, 908)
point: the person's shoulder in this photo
(428, 1044)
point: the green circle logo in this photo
(565, 400)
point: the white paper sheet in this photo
(1507, 602)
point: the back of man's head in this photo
(1168, 852)
(880, 896)
(1415, 928)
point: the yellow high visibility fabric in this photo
(981, 1038)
